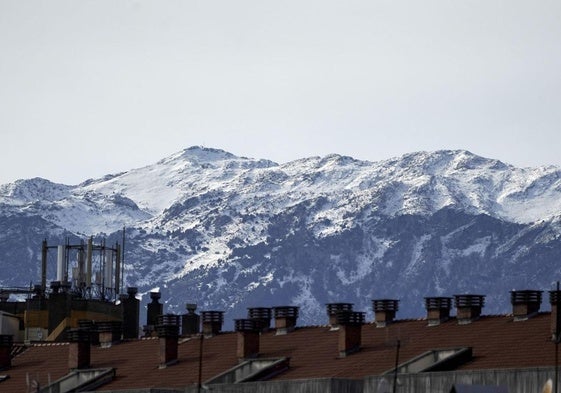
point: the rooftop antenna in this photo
(557, 338)
(123, 260)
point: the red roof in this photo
(497, 342)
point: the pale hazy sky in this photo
(94, 87)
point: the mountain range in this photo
(226, 232)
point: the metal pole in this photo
(67, 259)
(117, 269)
(44, 266)
(557, 327)
(199, 384)
(123, 261)
(397, 346)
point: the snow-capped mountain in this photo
(230, 232)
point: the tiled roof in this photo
(497, 342)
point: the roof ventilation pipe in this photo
(109, 332)
(285, 318)
(190, 322)
(438, 309)
(333, 309)
(350, 331)
(262, 316)
(468, 308)
(131, 313)
(212, 322)
(525, 304)
(555, 301)
(153, 310)
(79, 349)
(384, 311)
(168, 335)
(248, 331)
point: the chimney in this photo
(212, 322)
(248, 337)
(109, 333)
(468, 308)
(333, 309)
(384, 311)
(153, 310)
(350, 331)
(79, 348)
(89, 326)
(285, 318)
(168, 334)
(525, 304)
(438, 309)
(190, 322)
(555, 301)
(131, 311)
(262, 316)
(6, 342)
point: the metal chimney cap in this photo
(191, 307)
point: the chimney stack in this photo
(79, 348)
(438, 309)
(468, 307)
(285, 318)
(262, 316)
(525, 304)
(384, 311)
(109, 332)
(89, 326)
(555, 301)
(350, 331)
(131, 312)
(153, 310)
(212, 322)
(168, 333)
(333, 309)
(6, 342)
(190, 322)
(248, 337)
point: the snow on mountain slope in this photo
(224, 229)
(417, 183)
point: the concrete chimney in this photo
(468, 307)
(438, 309)
(190, 322)
(212, 322)
(247, 337)
(262, 316)
(384, 311)
(130, 307)
(333, 309)
(350, 331)
(168, 334)
(285, 318)
(6, 342)
(153, 310)
(79, 348)
(525, 304)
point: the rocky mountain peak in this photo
(230, 232)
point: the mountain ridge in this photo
(207, 226)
